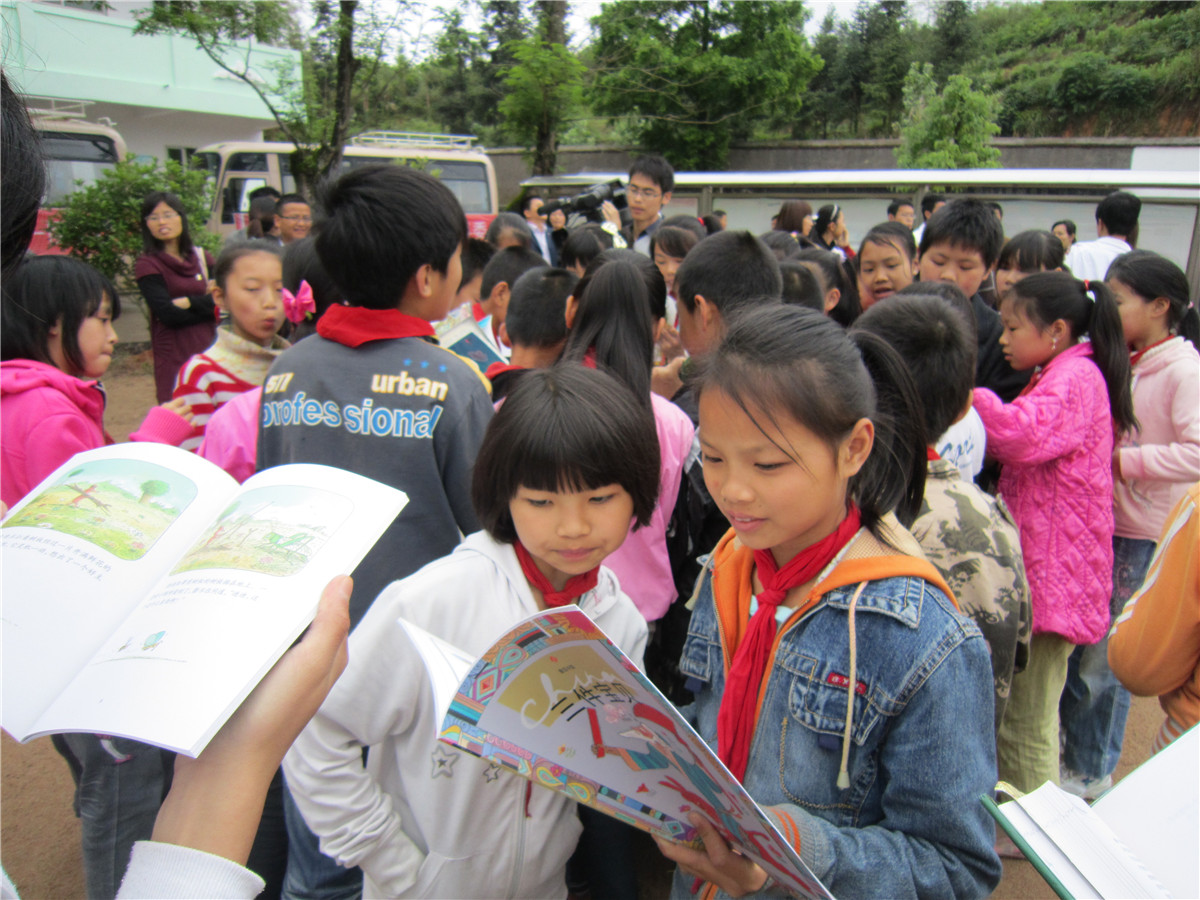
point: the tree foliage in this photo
(101, 223)
(342, 58)
(950, 130)
(691, 77)
(545, 86)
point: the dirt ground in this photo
(39, 835)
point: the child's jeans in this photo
(1094, 705)
(311, 875)
(119, 786)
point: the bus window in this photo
(248, 162)
(74, 157)
(236, 197)
(467, 181)
(209, 163)
(286, 178)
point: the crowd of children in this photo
(780, 520)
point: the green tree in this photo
(690, 77)
(341, 58)
(955, 38)
(953, 130)
(101, 223)
(153, 488)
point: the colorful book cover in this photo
(555, 701)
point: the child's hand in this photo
(665, 380)
(180, 407)
(717, 863)
(669, 343)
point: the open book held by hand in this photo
(146, 593)
(558, 703)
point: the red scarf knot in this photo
(576, 586)
(739, 704)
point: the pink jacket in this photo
(47, 416)
(231, 437)
(641, 563)
(1056, 443)
(1162, 458)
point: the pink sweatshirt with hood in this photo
(47, 416)
(1161, 459)
(1055, 442)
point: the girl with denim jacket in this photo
(832, 670)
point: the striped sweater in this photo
(231, 366)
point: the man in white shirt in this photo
(531, 209)
(1116, 220)
(930, 204)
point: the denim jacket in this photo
(910, 824)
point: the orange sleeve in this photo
(1155, 644)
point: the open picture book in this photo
(146, 593)
(555, 701)
(1139, 839)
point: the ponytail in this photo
(1151, 276)
(1111, 354)
(893, 476)
(1088, 309)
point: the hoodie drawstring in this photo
(843, 779)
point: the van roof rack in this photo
(56, 107)
(413, 139)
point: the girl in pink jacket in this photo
(1055, 442)
(1152, 469)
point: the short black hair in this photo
(1066, 223)
(967, 223)
(584, 244)
(1119, 212)
(509, 223)
(49, 291)
(656, 169)
(506, 266)
(895, 233)
(477, 253)
(290, 198)
(929, 202)
(800, 286)
(537, 310)
(381, 224)
(896, 205)
(781, 243)
(832, 270)
(566, 428)
(265, 191)
(673, 240)
(528, 199)
(1032, 251)
(995, 207)
(730, 270)
(151, 244)
(937, 344)
(235, 250)
(947, 291)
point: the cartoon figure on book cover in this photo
(122, 506)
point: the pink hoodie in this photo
(47, 416)
(1055, 443)
(1162, 458)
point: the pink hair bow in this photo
(297, 306)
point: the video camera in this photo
(587, 203)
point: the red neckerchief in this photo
(478, 311)
(931, 454)
(576, 585)
(498, 368)
(1136, 356)
(589, 358)
(739, 703)
(355, 325)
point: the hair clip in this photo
(299, 305)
